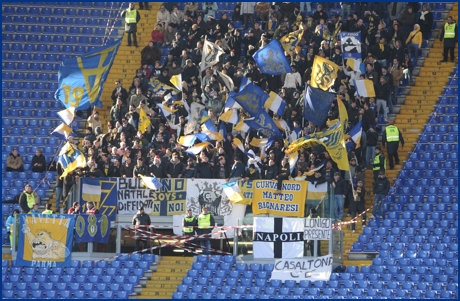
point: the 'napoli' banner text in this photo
(45, 240)
(291, 201)
(82, 79)
(351, 45)
(313, 268)
(92, 228)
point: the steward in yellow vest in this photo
(449, 34)
(392, 137)
(132, 17)
(379, 162)
(27, 199)
(189, 224)
(205, 225)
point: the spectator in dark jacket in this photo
(141, 221)
(189, 169)
(238, 170)
(174, 167)
(270, 170)
(140, 168)
(204, 169)
(38, 162)
(252, 173)
(221, 168)
(340, 193)
(157, 168)
(381, 189)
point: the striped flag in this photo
(239, 144)
(293, 157)
(62, 131)
(227, 80)
(243, 125)
(230, 116)
(208, 125)
(275, 103)
(233, 192)
(356, 65)
(312, 172)
(151, 182)
(364, 88)
(165, 110)
(67, 115)
(356, 132)
(186, 141)
(197, 148)
(176, 80)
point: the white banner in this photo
(318, 229)
(194, 119)
(310, 268)
(209, 193)
(277, 237)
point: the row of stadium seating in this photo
(58, 30)
(57, 12)
(44, 38)
(67, 294)
(88, 5)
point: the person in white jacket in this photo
(247, 10)
(163, 16)
(292, 79)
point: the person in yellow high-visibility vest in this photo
(205, 226)
(392, 136)
(10, 221)
(449, 34)
(189, 224)
(132, 17)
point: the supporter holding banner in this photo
(312, 268)
(290, 202)
(81, 79)
(351, 45)
(45, 240)
(92, 228)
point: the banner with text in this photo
(318, 229)
(351, 45)
(290, 202)
(92, 228)
(310, 268)
(45, 240)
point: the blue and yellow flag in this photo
(332, 139)
(45, 240)
(81, 79)
(323, 73)
(159, 88)
(252, 99)
(316, 105)
(290, 41)
(70, 159)
(271, 59)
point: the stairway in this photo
(128, 59)
(414, 113)
(167, 277)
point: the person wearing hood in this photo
(414, 42)
(14, 162)
(157, 168)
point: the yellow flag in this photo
(144, 121)
(290, 41)
(343, 114)
(176, 80)
(324, 73)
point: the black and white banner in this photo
(277, 237)
(313, 268)
(318, 228)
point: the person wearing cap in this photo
(357, 204)
(381, 189)
(392, 136)
(132, 17)
(340, 193)
(157, 168)
(189, 225)
(141, 221)
(380, 162)
(205, 222)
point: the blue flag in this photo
(317, 104)
(93, 228)
(271, 59)
(251, 99)
(81, 79)
(244, 82)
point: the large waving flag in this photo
(186, 141)
(243, 126)
(275, 103)
(159, 88)
(194, 119)
(230, 116)
(364, 88)
(208, 125)
(197, 148)
(251, 99)
(323, 74)
(144, 121)
(316, 105)
(81, 79)
(67, 115)
(271, 59)
(70, 159)
(356, 65)
(290, 41)
(210, 56)
(165, 110)
(239, 144)
(209, 136)
(151, 182)
(332, 139)
(62, 131)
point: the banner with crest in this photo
(351, 45)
